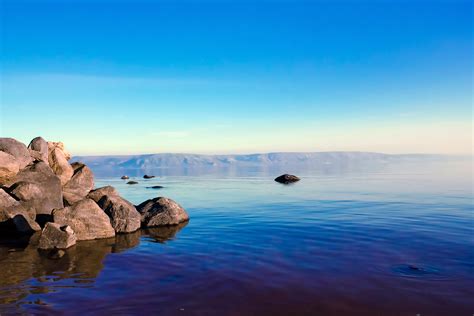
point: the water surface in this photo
(387, 240)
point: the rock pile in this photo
(40, 188)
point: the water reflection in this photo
(162, 234)
(335, 168)
(25, 270)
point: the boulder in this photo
(148, 177)
(161, 211)
(37, 187)
(39, 149)
(123, 214)
(59, 163)
(97, 194)
(155, 187)
(80, 184)
(36, 155)
(58, 145)
(15, 217)
(17, 150)
(86, 219)
(6, 199)
(287, 178)
(125, 177)
(26, 191)
(55, 236)
(9, 167)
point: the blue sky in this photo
(123, 77)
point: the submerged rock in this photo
(86, 219)
(80, 184)
(287, 178)
(55, 236)
(161, 211)
(132, 182)
(148, 177)
(155, 187)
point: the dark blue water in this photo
(395, 240)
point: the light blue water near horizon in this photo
(393, 239)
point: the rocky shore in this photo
(40, 191)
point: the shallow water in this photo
(388, 240)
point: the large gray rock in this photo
(55, 236)
(37, 187)
(86, 219)
(39, 149)
(15, 217)
(17, 150)
(59, 163)
(9, 167)
(80, 184)
(97, 194)
(161, 211)
(123, 214)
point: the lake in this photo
(384, 240)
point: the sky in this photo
(130, 77)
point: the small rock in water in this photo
(125, 177)
(55, 236)
(413, 267)
(132, 182)
(155, 187)
(148, 177)
(287, 178)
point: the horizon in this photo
(269, 153)
(238, 78)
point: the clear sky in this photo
(123, 77)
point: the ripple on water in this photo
(419, 271)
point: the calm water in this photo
(391, 240)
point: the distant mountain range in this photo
(152, 161)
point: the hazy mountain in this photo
(152, 161)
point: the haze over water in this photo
(389, 240)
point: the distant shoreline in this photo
(148, 161)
